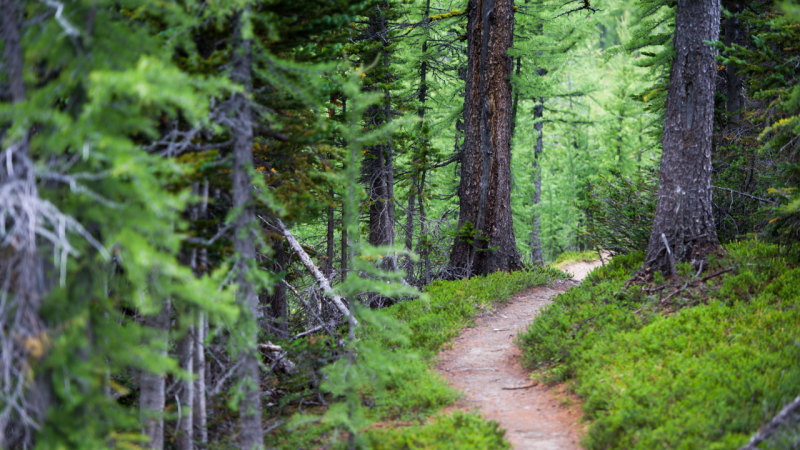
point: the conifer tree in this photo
(683, 228)
(486, 240)
(106, 206)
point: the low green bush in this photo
(673, 376)
(456, 430)
(578, 317)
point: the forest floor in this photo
(483, 363)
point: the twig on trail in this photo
(514, 388)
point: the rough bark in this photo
(250, 435)
(684, 221)
(485, 185)
(151, 387)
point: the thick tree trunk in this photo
(485, 185)
(151, 386)
(683, 227)
(244, 245)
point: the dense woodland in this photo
(252, 223)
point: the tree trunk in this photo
(344, 242)
(151, 386)
(486, 242)
(421, 150)
(683, 227)
(20, 265)
(536, 169)
(732, 33)
(244, 246)
(329, 239)
(200, 414)
(276, 300)
(185, 438)
(378, 163)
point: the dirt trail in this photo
(484, 360)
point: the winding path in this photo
(484, 364)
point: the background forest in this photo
(238, 223)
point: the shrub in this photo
(656, 376)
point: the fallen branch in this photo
(774, 425)
(318, 275)
(715, 274)
(688, 283)
(307, 332)
(514, 388)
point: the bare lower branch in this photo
(321, 279)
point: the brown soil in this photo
(484, 364)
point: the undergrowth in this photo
(698, 362)
(399, 385)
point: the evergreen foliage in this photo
(151, 152)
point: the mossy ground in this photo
(684, 364)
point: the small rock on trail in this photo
(484, 364)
